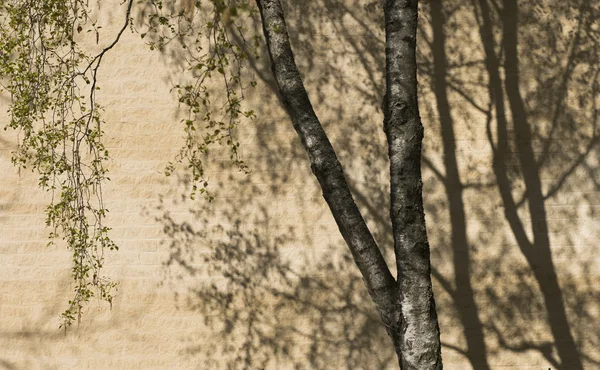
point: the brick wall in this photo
(261, 277)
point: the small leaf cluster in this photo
(209, 39)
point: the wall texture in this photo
(260, 278)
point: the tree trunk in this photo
(419, 332)
(327, 169)
(407, 308)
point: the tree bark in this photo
(380, 283)
(407, 308)
(419, 333)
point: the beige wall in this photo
(261, 277)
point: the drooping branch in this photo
(47, 74)
(94, 65)
(209, 41)
(326, 167)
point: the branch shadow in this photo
(532, 77)
(275, 286)
(267, 298)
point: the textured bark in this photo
(465, 299)
(419, 332)
(327, 169)
(407, 308)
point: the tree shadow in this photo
(267, 298)
(275, 286)
(523, 162)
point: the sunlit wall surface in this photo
(261, 278)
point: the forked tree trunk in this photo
(406, 307)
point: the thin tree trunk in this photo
(413, 326)
(419, 334)
(327, 169)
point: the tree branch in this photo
(326, 167)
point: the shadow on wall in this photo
(270, 303)
(26, 346)
(510, 181)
